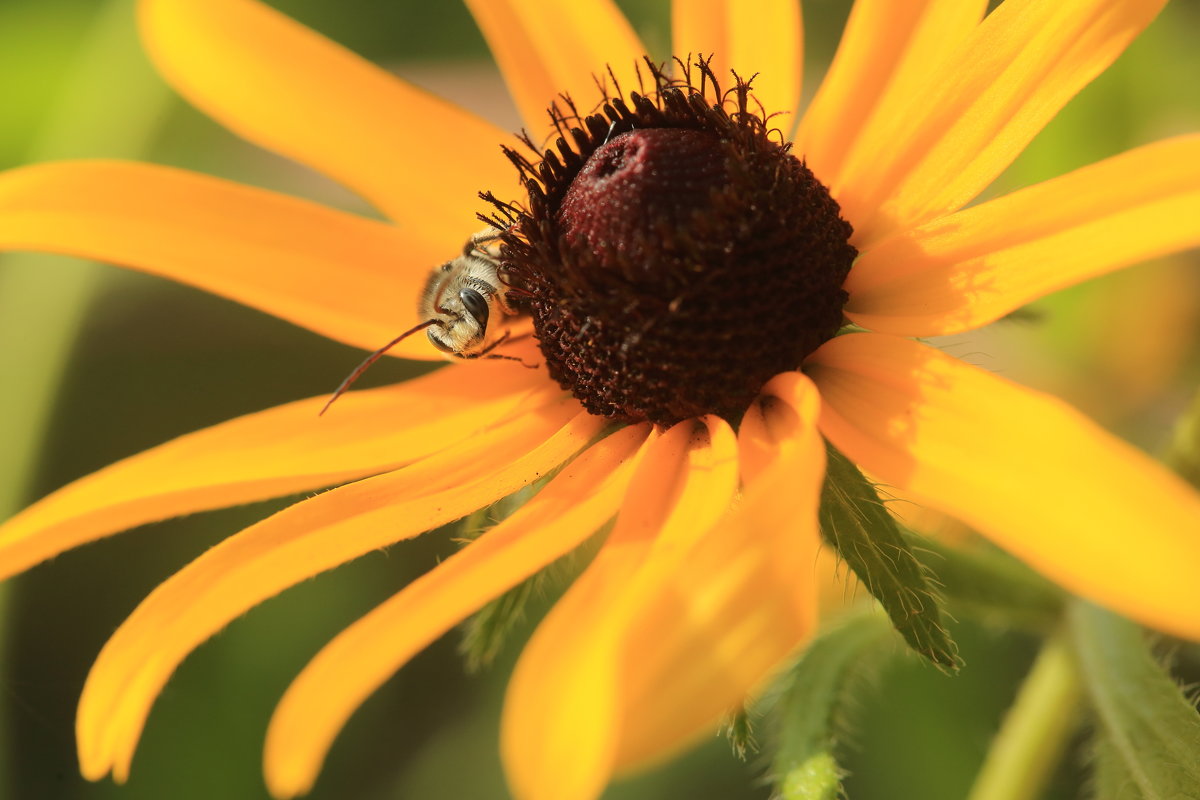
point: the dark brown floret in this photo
(673, 254)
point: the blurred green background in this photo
(146, 360)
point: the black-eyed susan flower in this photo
(687, 260)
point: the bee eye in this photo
(437, 342)
(475, 305)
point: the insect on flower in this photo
(463, 295)
(460, 299)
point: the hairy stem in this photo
(1035, 731)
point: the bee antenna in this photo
(371, 359)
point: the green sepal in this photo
(816, 699)
(485, 632)
(738, 728)
(1144, 722)
(990, 586)
(855, 522)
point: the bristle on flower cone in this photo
(673, 254)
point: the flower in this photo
(700, 590)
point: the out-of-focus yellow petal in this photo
(267, 454)
(1003, 83)
(766, 37)
(558, 733)
(295, 544)
(710, 622)
(549, 49)
(419, 159)
(889, 51)
(351, 279)
(1030, 472)
(568, 510)
(770, 425)
(971, 268)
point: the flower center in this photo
(677, 257)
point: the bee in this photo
(463, 295)
(464, 307)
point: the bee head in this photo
(465, 332)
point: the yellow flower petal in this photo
(710, 622)
(766, 37)
(768, 426)
(295, 544)
(549, 49)
(1002, 85)
(285, 87)
(568, 510)
(267, 454)
(331, 272)
(888, 51)
(559, 726)
(1086, 509)
(968, 269)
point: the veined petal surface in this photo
(1030, 472)
(559, 518)
(289, 89)
(297, 543)
(349, 278)
(267, 454)
(712, 620)
(1004, 82)
(888, 51)
(973, 267)
(766, 37)
(559, 733)
(549, 49)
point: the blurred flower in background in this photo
(262, 356)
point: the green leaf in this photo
(990, 586)
(817, 697)
(1145, 722)
(855, 522)
(1110, 779)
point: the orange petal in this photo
(548, 49)
(559, 518)
(766, 38)
(710, 622)
(971, 268)
(265, 77)
(295, 544)
(351, 279)
(770, 427)
(267, 454)
(888, 51)
(1086, 509)
(559, 726)
(1004, 82)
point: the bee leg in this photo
(480, 240)
(502, 357)
(487, 353)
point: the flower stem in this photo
(1035, 731)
